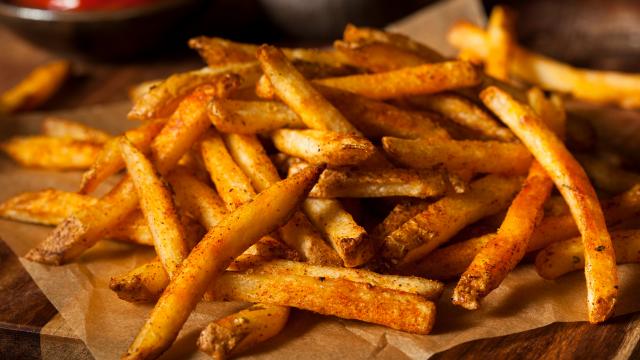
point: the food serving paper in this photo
(107, 325)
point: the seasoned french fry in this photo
(566, 256)
(591, 85)
(232, 236)
(298, 233)
(317, 146)
(109, 161)
(63, 128)
(550, 110)
(133, 229)
(573, 184)
(344, 183)
(47, 207)
(163, 99)
(197, 198)
(500, 37)
(338, 297)
(460, 155)
(606, 176)
(444, 218)
(400, 214)
(81, 231)
(36, 88)
(408, 81)
(240, 331)
(251, 117)
(376, 56)
(139, 90)
(157, 206)
(465, 113)
(295, 91)
(50, 152)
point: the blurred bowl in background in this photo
(104, 34)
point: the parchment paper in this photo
(107, 325)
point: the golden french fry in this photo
(139, 90)
(197, 198)
(376, 56)
(36, 88)
(550, 110)
(163, 99)
(337, 297)
(566, 256)
(240, 331)
(51, 152)
(591, 85)
(465, 113)
(63, 128)
(460, 155)
(573, 184)
(232, 236)
(500, 37)
(295, 91)
(400, 214)
(298, 233)
(344, 183)
(109, 161)
(47, 207)
(157, 206)
(251, 117)
(408, 81)
(317, 146)
(441, 220)
(81, 231)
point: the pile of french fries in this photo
(339, 181)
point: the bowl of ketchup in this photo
(103, 29)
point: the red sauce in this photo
(81, 5)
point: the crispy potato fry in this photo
(441, 220)
(550, 110)
(465, 113)
(133, 229)
(460, 155)
(607, 177)
(400, 214)
(163, 99)
(377, 56)
(157, 206)
(63, 128)
(338, 297)
(573, 184)
(345, 183)
(566, 256)
(141, 89)
(591, 85)
(408, 81)
(251, 117)
(298, 233)
(109, 161)
(82, 230)
(36, 88)
(50, 152)
(197, 198)
(504, 251)
(500, 38)
(240, 331)
(295, 91)
(232, 236)
(317, 146)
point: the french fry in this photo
(36, 88)
(376, 56)
(317, 146)
(81, 231)
(133, 229)
(295, 91)
(298, 233)
(551, 110)
(566, 256)
(500, 37)
(460, 155)
(573, 184)
(63, 128)
(465, 113)
(232, 236)
(591, 85)
(139, 90)
(400, 214)
(607, 177)
(157, 206)
(109, 161)
(50, 152)
(163, 99)
(337, 297)
(240, 331)
(408, 81)
(251, 117)
(345, 183)
(441, 220)
(504, 251)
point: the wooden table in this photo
(24, 309)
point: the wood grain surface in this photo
(24, 310)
